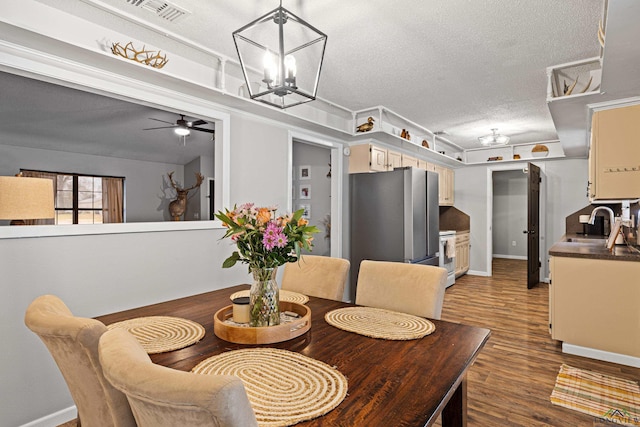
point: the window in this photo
(85, 199)
(78, 199)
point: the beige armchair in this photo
(317, 276)
(165, 397)
(409, 288)
(73, 343)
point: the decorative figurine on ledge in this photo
(178, 206)
(405, 135)
(366, 127)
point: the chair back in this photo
(408, 288)
(73, 343)
(317, 276)
(165, 397)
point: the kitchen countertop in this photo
(594, 250)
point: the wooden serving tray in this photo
(266, 334)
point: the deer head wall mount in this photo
(178, 206)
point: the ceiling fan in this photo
(182, 127)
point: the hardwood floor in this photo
(512, 379)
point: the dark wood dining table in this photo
(391, 383)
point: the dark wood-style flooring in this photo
(514, 375)
(512, 379)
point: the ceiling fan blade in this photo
(161, 127)
(198, 123)
(202, 129)
(163, 121)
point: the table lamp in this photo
(23, 198)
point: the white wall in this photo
(564, 183)
(101, 274)
(509, 214)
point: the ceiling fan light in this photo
(494, 139)
(182, 131)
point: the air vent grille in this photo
(161, 8)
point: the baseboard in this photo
(55, 419)
(592, 353)
(520, 257)
(477, 273)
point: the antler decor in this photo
(178, 206)
(143, 56)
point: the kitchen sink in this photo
(592, 240)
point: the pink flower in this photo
(274, 236)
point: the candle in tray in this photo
(241, 310)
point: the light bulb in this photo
(290, 66)
(182, 131)
(270, 70)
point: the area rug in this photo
(613, 399)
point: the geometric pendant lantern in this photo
(286, 53)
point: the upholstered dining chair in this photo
(73, 343)
(409, 288)
(165, 397)
(316, 276)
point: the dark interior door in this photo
(533, 225)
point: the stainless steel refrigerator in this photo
(394, 216)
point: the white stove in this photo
(448, 254)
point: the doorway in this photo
(311, 190)
(507, 215)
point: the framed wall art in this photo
(307, 211)
(304, 192)
(305, 172)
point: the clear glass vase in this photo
(264, 296)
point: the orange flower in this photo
(264, 215)
(284, 220)
(302, 222)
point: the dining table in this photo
(390, 382)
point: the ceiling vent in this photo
(161, 8)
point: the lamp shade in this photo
(26, 198)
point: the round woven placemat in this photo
(284, 295)
(284, 387)
(379, 323)
(159, 334)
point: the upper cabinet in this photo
(614, 154)
(445, 185)
(372, 158)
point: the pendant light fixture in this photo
(285, 54)
(494, 138)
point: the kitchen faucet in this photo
(592, 220)
(612, 220)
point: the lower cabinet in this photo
(462, 253)
(595, 303)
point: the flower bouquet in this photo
(265, 242)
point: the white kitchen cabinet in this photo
(614, 154)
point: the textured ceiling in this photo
(459, 66)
